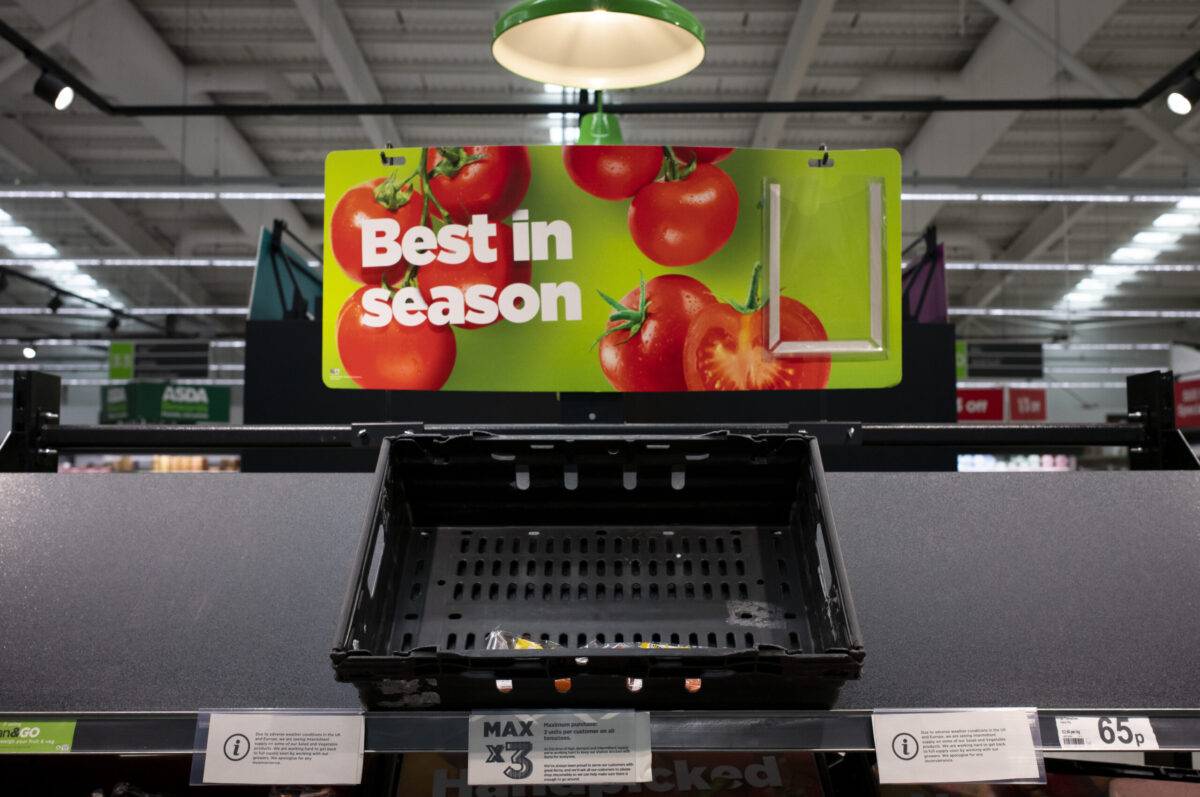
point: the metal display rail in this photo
(174, 733)
(1150, 433)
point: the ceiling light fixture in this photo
(1182, 99)
(29, 352)
(54, 90)
(1178, 221)
(598, 44)
(1137, 254)
(1156, 238)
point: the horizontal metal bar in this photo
(165, 438)
(628, 108)
(671, 731)
(1003, 434)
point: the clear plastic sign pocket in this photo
(826, 232)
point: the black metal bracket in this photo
(37, 399)
(1151, 402)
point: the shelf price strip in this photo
(1106, 733)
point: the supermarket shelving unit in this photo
(139, 603)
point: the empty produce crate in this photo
(655, 566)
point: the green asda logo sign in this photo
(22, 736)
(185, 401)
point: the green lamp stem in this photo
(600, 127)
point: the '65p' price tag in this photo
(1106, 733)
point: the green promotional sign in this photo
(36, 736)
(159, 402)
(611, 268)
(960, 359)
(120, 360)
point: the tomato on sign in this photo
(1026, 404)
(981, 404)
(1187, 403)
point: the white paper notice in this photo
(270, 749)
(559, 747)
(1106, 733)
(956, 747)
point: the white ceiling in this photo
(437, 51)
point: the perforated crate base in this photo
(726, 588)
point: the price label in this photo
(1106, 733)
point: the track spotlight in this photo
(55, 303)
(29, 352)
(53, 90)
(1182, 99)
(113, 323)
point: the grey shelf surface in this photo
(134, 602)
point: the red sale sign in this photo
(1187, 403)
(981, 404)
(1026, 404)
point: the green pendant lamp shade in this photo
(598, 44)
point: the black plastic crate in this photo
(720, 541)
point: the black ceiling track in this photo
(44, 61)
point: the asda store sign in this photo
(159, 402)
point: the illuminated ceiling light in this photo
(1182, 99)
(1178, 221)
(4, 217)
(1054, 197)
(1135, 253)
(598, 44)
(939, 196)
(29, 352)
(1082, 298)
(31, 248)
(53, 90)
(1189, 203)
(1157, 238)
(15, 232)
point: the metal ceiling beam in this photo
(1004, 62)
(1136, 116)
(795, 58)
(45, 40)
(128, 58)
(26, 151)
(336, 41)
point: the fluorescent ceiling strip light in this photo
(46, 365)
(138, 262)
(224, 343)
(204, 382)
(1097, 369)
(135, 311)
(1111, 268)
(1053, 197)
(939, 196)
(120, 194)
(1060, 385)
(1028, 312)
(315, 196)
(31, 194)
(1106, 346)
